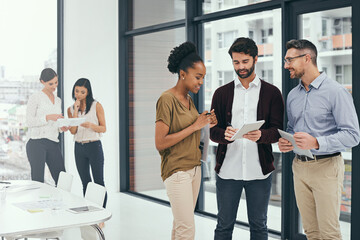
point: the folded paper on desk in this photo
(41, 205)
(296, 149)
(66, 122)
(247, 127)
(83, 209)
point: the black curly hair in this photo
(182, 57)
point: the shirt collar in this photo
(316, 83)
(253, 83)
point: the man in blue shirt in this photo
(322, 117)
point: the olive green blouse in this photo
(185, 154)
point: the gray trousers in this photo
(41, 151)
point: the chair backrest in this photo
(95, 193)
(65, 181)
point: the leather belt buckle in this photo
(305, 158)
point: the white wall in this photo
(91, 51)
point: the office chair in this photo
(64, 183)
(96, 194)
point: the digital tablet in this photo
(296, 149)
(247, 127)
(83, 209)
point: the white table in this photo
(17, 222)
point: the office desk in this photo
(18, 219)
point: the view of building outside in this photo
(330, 31)
(146, 13)
(265, 29)
(148, 78)
(28, 44)
(219, 5)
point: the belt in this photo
(316, 157)
(88, 141)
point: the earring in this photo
(183, 78)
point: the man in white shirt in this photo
(245, 163)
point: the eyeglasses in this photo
(288, 60)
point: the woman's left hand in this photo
(64, 129)
(87, 125)
(213, 118)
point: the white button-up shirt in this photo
(39, 105)
(242, 158)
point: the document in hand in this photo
(65, 122)
(247, 127)
(296, 149)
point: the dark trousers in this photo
(90, 155)
(228, 194)
(41, 151)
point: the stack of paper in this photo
(66, 122)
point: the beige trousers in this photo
(318, 186)
(182, 189)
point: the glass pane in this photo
(146, 13)
(210, 6)
(148, 78)
(28, 44)
(335, 56)
(265, 29)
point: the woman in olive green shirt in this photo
(177, 137)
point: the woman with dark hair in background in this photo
(177, 137)
(43, 111)
(88, 147)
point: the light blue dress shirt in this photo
(326, 112)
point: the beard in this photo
(248, 72)
(298, 74)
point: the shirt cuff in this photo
(322, 144)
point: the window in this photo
(20, 65)
(218, 5)
(267, 75)
(265, 34)
(223, 4)
(221, 78)
(146, 13)
(222, 72)
(324, 27)
(333, 50)
(343, 74)
(342, 25)
(225, 39)
(251, 34)
(144, 91)
(306, 27)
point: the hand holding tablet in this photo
(296, 149)
(247, 127)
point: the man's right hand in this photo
(285, 145)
